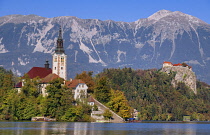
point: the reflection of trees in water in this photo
(80, 128)
(85, 128)
(185, 129)
(59, 128)
(73, 128)
(43, 128)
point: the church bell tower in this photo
(59, 65)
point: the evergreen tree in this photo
(102, 91)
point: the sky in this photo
(117, 10)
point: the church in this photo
(58, 70)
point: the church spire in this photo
(59, 48)
(59, 65)
(60, 33)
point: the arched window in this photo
(62, 59)
(55, 60)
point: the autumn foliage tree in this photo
(88, 79)
(119, 104)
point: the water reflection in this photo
(43, 127)
(185, 129)
(80, 128)
(58, 127)
(84, 128)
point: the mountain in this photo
(91, 44)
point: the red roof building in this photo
(74, 83)
(49, 78)
(18, 85)
(79, 88)
(179, 64)
(167, 62)
(40, 72)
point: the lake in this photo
(86, 128)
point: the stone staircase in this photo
(98, 115)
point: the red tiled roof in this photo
(49, 78)
(167, 62)
(177, 64)
(73, 83)
(18, 85)
(40, 72)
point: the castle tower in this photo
(59, 65)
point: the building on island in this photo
(59, 70)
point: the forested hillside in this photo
(151, 93)
(122, 90)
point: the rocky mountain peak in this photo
(160, 14)
(176, 16)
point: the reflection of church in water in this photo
(70, 128)
(59, 70)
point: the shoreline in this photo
(143, 121)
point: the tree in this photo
(80, 112)
(30, 87)
(7, 82)
(107, 114)
(102, 91)
(119, 104)
(184, 64)
(59, 99)
(88, 79)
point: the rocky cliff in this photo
(183, 74)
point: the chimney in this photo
(46, 65)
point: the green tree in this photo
(102, 91)
(30, 87)
(80, 112)
(107, 114)
(59, 99)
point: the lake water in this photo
(85, 128)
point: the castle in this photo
(59, 70)
(169, 64)
(184, 74)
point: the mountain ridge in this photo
(93, 44)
